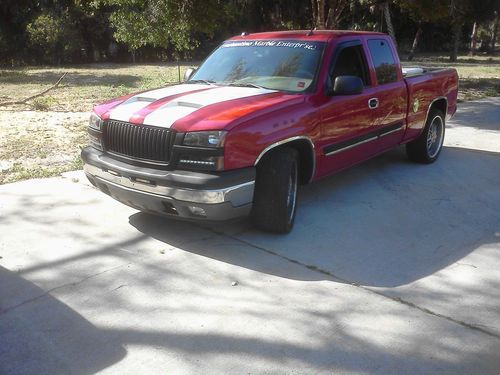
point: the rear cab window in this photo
(386, 68)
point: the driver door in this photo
(347, 121)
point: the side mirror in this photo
(347, 85)
(188, 73)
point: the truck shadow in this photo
(39, 334)
(385, 223)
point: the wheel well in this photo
(305, 150)
(440, 104)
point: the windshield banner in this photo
(272, 43)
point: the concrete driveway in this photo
(392, 268)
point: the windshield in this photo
(274, 64)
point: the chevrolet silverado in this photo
(261, 115)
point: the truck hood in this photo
(194, 107)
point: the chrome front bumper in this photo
(159, 191)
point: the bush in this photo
(54, 38)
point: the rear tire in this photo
(427, 147)
(275, 196)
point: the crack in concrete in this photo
(8, 309)
(357, 285)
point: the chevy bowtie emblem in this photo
(416, 104)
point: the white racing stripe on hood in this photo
(166, 115)
(172, 90)
(124, 111)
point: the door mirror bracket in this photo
(189, 73)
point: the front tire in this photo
(275, 197)
(427, 147)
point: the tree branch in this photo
(23, 101)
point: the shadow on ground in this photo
(54, 339)
(41, 335)
(73, 78)
(77, 77)
(385, 223)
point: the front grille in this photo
(142, 142)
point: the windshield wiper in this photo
(246, 84)
(205, 81)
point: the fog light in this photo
(95, 142)
(197, 211)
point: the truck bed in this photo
(426, 85)
(415, 71)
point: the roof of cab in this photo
(316, 35)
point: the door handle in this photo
(373, 103)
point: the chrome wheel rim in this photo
(291, 198)
(435, 136)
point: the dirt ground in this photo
(40, 144)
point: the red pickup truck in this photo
(262, 114)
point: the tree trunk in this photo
(336, 13)
(320, 23)
(415, 42)
(133, 56)
(456, 30)
(352, 11)
(494, 36)
(388, 21)
(473, 40)
(314, 8)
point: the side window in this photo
(385, 65)
(351, 62)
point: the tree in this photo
(165, 23)
(55, 37)
(494, 32)
(473, 40)
(14, 15)
(388, 21)
(328, 14)
(415, 42)
(456, 13)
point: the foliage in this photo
(68, 31)
(165, 23)
(54, 37)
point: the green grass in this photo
(479, 75)
(85, 85)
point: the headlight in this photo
(205, 139)
(95, 122)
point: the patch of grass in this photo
(43, 103)
(33, 143)
(477, 88)
(479, 76)
(18, 172)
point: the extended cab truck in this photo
(262, 114)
